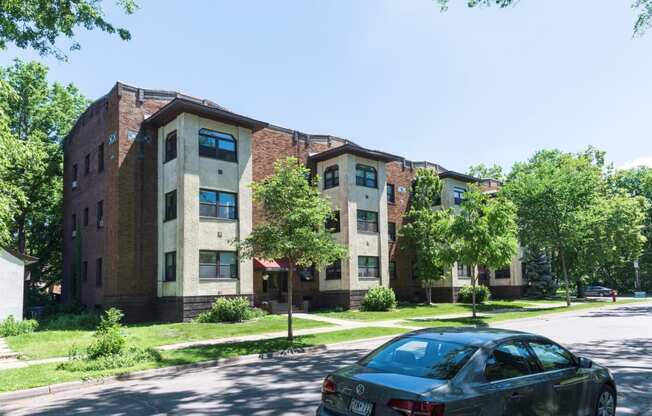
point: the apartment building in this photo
(156, 189)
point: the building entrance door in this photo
(276, 286)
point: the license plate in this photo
(361, 407)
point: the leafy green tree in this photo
(294, 229)
(487, 172)
(37, 24)
(36, 116)
(485, 233)
(643, 8)
(426, 231)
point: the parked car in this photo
(469, 371)
(597, 291)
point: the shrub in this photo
(10, 326)
(63, 322)
(108, 336)
(379, 299)
(127, 358)
(482, 294)
(229, 310)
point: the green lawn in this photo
(45, 374)
(411, 310)
(45, 344)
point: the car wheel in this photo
(606, 405)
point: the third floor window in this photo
(331, 177)
(366, 176)
(217, 145)
(171, 146)
(218, 204)
(458, 195)
(367, 221)
(391, 196)
(170, 205)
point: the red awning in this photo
(280, 265)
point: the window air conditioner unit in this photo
(74, 233)
(74, 184)
(101, 223)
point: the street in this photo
(620, 338)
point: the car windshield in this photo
(420, 357)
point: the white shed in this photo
(12, 282)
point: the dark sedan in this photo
(469, 371)
(597, 291)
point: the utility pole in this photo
(637, 270)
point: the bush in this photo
(482, 294)
(10, 326)
(379, 299)
(127, 358)
(63, 322)
(108, 336)
(229, 310)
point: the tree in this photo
(294, 230)
(643, 8)
(426, 232)
(37, 24)
(485, 233)
(538, 272)
(37, 116)
(487, 172)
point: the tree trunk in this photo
(290, 280)
(562, 257)
(429, 294)
(474, 279)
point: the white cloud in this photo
(641, 161)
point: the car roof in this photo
(472, 336)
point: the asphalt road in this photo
(620, 338)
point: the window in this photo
(509, 360)
(100, 157)
(87, 165)
(74, 225)
(170, 267)
(306, 274)
(84, 271)
(458, 195)
(98, 272)
(218, 265)
(391, 197)
(502, 273)
(74, 172)
(391, 228)
(551, 356)
(367, 221)
(333, 223)
(368, 266)
(366, 176)
(100, 214)
(392, 270)
(420, 357)
(85, 219)
(463, 270)
(334, 271)
(218, 204)
(217, 145)
(170, 205)
(331, 177)
(171, 146)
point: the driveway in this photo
(621, 338)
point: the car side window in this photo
(508, 360)
(551, 356)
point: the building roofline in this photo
(20, 256)
(459, 176)
(350, 148)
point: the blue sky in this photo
(457, 88)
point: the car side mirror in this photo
(585, 362)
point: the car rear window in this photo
(420, 357)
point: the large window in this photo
(98, 272)
(74, 225)
(391, 229)
(509, 360)
(391, 195)
(331, 177)
(217, 145)
(333, 223)
(392, 270)
(100, 157)
(551, 356)
(170, 205)
(502, 273)
(99, 212)
(334, 271)
(367, 221)
(170, 266)
(87, 165)
(366, 176)
(218, 265)
(463, 270)
(458, 195)
(85, 219)
(75, 170)
(368, 266)
(171, 146)
(218, 204)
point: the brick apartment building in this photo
(156, 187)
